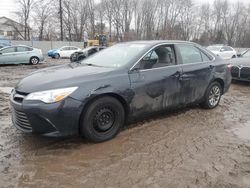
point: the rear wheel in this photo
(212, 96)
(34, 60)
(102, 120)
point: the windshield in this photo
(214, 48)
(246, 54)
(115, 56)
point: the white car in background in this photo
(63, 52)
(225, 52)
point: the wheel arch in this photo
(34, 57)
(221, 82)
(114, 95)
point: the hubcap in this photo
(104, 119)
(214, 96)
(34, 61)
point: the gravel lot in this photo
(186, 148)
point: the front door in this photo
(8, 55)
(155, 81)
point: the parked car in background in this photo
(129, 80)
(241, 67)
(63, 52)
(2, 45)
(225, 52)
(4, 42)
(80, 55)
(20, 54)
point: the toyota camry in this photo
(97, 96)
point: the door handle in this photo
(177, 74)
(211, 66)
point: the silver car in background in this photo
(20, 55)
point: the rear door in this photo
(197, 67)
(23, 54)
(155, 81)
(8, 55)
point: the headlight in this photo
(51, 96)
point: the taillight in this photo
(229, 66)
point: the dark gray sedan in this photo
(95, 97)
(241, 67)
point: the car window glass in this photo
(190, 54)
(65, 48)
(246, 54)
(160, 57)
(8, 50)
(205, 57)
(22, 49)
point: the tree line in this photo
(123, 20)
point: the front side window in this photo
(65, 48)
(190, 54)
(159, 57)
(8, 50)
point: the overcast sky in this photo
(8, 7)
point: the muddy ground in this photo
(188, 148)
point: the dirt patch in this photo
(188, 148)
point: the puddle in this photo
(6, 89)
(243, 132)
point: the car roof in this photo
(20, 46)
(155, 42)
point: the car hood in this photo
(240, 61)
(69, 75)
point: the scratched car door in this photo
(197, 68)
(155, 81)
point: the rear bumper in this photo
(57, 119)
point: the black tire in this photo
(102, 120)
(34, 60)
(80, 58)
(214, 91)
(233, 56)
(57, 56)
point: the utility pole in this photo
(61, 21)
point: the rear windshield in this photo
(214, 48)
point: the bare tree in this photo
(23, 12)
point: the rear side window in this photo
(226, 48)
(205, 57)
(22, 49)
(190, 54)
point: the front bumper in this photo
(56, 119)
(241, 73)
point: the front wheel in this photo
(212, 96)
(57, 56)
(102, 120)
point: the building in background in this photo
(11, 29)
